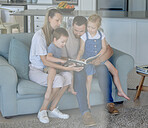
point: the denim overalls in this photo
(92, 48)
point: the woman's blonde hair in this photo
(95, 18)
(47, 29)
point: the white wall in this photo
(45, 1)
(87, 4)
(129, 36)
(137, 5)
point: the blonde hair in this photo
(95, 18)
(47, 29)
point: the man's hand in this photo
(96, 61)
(105, 56)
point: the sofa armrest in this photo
(124, 63)
(122, 60)
(8, 85)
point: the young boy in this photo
(93, 43)
(60, 37)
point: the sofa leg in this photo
(8, 117)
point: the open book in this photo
(80, 63)
(142, 69)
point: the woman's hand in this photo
(73, 68)
(63, 61)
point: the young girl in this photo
(93, 43)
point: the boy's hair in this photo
(58, 32)
(80, 20)
(95, 19)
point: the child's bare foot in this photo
(71, 90)
(89, 106)
(88, 102)
(123, 95)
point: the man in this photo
(104, 78)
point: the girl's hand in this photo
(83, 60)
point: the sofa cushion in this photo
(95, 86)
(19, 57)
(26, 87)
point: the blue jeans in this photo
(104, 80)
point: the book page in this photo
(77, 63)
(80, 63)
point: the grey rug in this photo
(128, 118)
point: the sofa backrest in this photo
(15, 48)
(6, 38)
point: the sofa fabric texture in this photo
(19, 95)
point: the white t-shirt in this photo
(38, 47)
(97, 36)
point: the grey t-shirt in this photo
(72, 46)
(56, 52)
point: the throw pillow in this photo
(19, 57)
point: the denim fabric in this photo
(90, 69)
(105, 83)
(80, 88)
(92, 48)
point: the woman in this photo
(38, 53)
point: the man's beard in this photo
(78, 37)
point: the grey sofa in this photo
(19, 95)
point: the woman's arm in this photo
(57, 66)
(51, 58)
(81, 51)
(51, 64)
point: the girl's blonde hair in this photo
(47, 29)
(95, 18)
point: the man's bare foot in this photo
(71, 90)
(122, 94)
